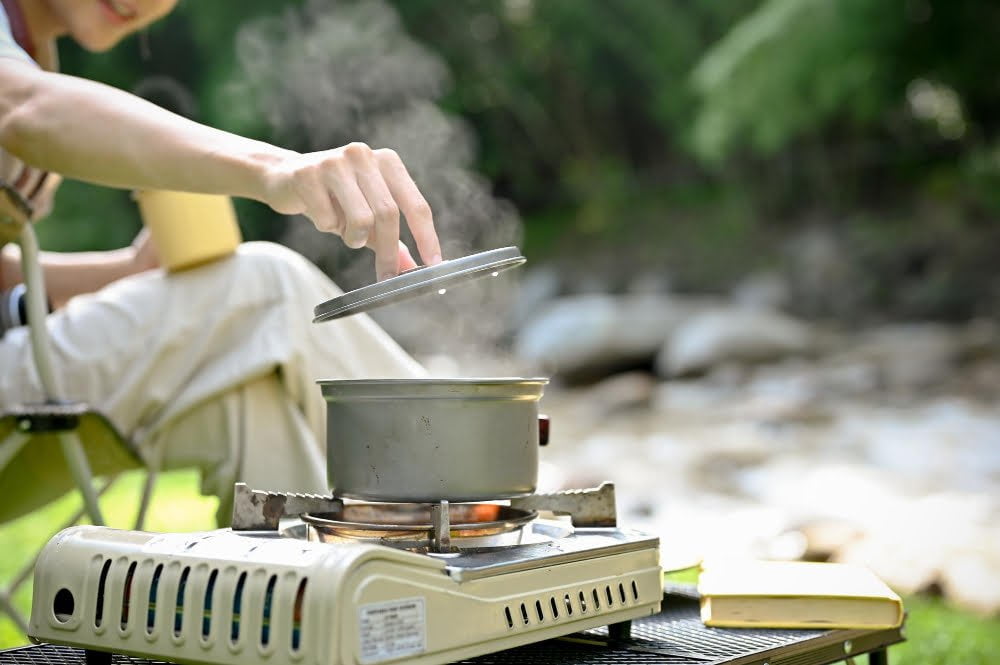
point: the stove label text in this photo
(393, 629)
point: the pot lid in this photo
(418, 281)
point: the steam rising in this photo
(336, 72)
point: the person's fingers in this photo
(385, 236)
(358, 216)
(28, 180)
(45, 191)
(406, 261)
(142, 237)
(10, 167)
(145, 254)
(45, 181)
(413, 204)
(319, 207)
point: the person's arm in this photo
(92, 132)
(69, 274)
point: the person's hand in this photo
(144, 254)
(358, 194)
(26, 195)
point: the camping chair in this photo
(56, 446)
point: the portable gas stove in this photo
(307, 578)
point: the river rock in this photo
(823, 275)
(732, 334)
(972, 580)
(911, 357)
(764, 290)
(615, 394)
(823, 538)
(593, 335)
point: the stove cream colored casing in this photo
(355, 603)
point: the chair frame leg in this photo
(69, 441)
(34, 282)
(11, 446)
(148, 485)
(7, 607)
(80, 469)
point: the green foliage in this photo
(560, 91)
(88, 217)
(791, 65)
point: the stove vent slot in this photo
(571, 603)
(594, 600)
(127, 595)
(206, 614)
(179, 607)
(300, 596)
(101, 587)
(265, 623)
(234, 629)
(151, 611)
(63, 605)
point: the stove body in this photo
(232, 597)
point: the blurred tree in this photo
(566, 95)
(879, 117)
(902, 89)
(685, 135)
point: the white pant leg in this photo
(149, 350)
(253, 433)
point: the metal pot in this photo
(427, 440)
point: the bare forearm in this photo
(68, 275)
(96, 133)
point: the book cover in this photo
(795, 594)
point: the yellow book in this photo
(795, 594)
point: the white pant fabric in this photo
(213, 367)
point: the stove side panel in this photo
(202, 598)
(460, 619)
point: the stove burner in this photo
(411, 525)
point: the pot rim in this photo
(493, 381)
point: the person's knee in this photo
(270, 255)
(279, 267)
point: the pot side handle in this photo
(543, 429)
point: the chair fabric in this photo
(37, 473)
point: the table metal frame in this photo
(675, 636)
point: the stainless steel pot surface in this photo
(427, 440)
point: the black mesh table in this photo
(675, 636)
